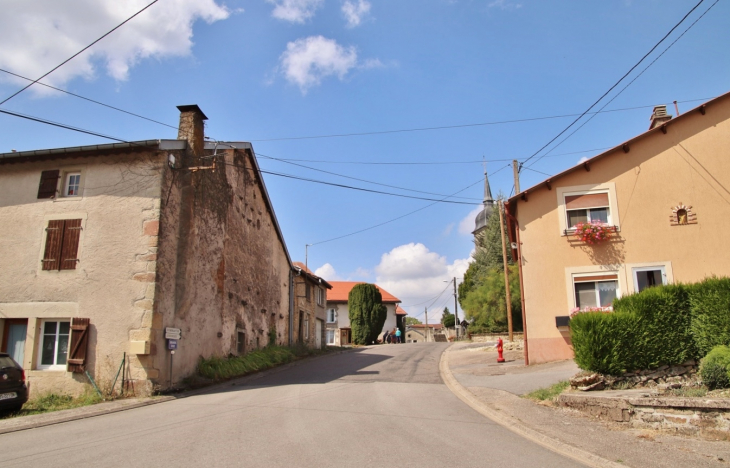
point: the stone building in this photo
(105, 246)
(310, 292)
(662, 197)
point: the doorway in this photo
(13, 343)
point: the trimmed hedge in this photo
(715, 368)
(661, 325)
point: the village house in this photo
(310, 293)
(338, 331)
(663, 197)
(422, 333)
(107, 247)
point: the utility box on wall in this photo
(139, 347)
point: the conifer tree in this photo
(367, 313)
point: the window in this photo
(595, 290)
(331, 337)
(307, 291)
(72, 184)
(54, 345)
(320, 296)
(306, 327)
(48, 184)
(62, 244)
(331, 316)
(241, 343)
(646, 277)
(587, 208)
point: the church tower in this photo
(481, 220)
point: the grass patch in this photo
(53, 402)
(689, 392)
(223, 368)
(548, 393)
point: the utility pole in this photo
(457, 324)
(426, 329)
(500, 207)
(516, 173)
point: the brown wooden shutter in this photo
(49, 182)
(589, 200)
(79, 343)
(54, 236)
(70, 245)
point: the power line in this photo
(60, 125)
(88, 99)
(629, 83)
(614, 86)
(358, 179)
(404, 215)
(76, 54)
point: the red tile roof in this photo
(312, 276)
(435, 326)
(400, 311)
(341, 290)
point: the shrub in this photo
(602, 342)
(715, 368)
(710, 307)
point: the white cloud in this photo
(505, 5)
(37, 36)
(416, 275)
(327, 272)
(295, 11)
(582, 160)
(307, 61)
(355, 12)
(467, 224)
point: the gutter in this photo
(513, 221)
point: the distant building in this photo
(339, 332)
(310, 300)
(422, 333)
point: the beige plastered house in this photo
(666, 196)
(105, 247)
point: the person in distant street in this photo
(386, 337)
(397, 335)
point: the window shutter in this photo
(589, 200)
(49, 182)
(54, 236)
(79, 343)
(70, 245)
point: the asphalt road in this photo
(380, 406)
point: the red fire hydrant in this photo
(500, 357)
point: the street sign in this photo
(171, 344)
(172, 333)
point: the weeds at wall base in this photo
(50, 402)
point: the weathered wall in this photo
(690, 164)
(119, 205)
(308, 308)
(222, 267)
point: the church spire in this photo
(488, 200)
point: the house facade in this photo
(422, 333)
(338, 331)
(310, 293)
(107, 246)
(663, 197)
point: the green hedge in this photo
(661, 325)
(715, 368)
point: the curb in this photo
(24, 423)
(516, 426)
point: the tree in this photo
(412, 321)
(367, 313)
(447, 318)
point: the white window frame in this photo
(67, 184)
(609, 188)
(320, 296)
(334, 316)
(577, 280)
(306, 327)
(62, 190)
(666, 267)
(41, 341)
(592, 270)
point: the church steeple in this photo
(481, 220)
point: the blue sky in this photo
(274, 71)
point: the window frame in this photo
(334, 316)
(595, 281)
(320, 296)
(631, 268)
(593, 270)
(306, 327)
(67, 183)
(563, 192)
(330, 332)
(41, 342)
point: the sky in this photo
(406, 97)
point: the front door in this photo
(14, 334)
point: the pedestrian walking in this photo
(386, 337)
(397, 335)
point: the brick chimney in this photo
(191, 128)
(659, 116)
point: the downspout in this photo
(522, 284)
(291, 307)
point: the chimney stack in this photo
(659, 116)
(191, 128)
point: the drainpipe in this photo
(291, 307)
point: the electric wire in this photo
(612, 87)
(76, 54)
(627, 85)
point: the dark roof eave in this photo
(53, 153)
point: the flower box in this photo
(594, 232)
